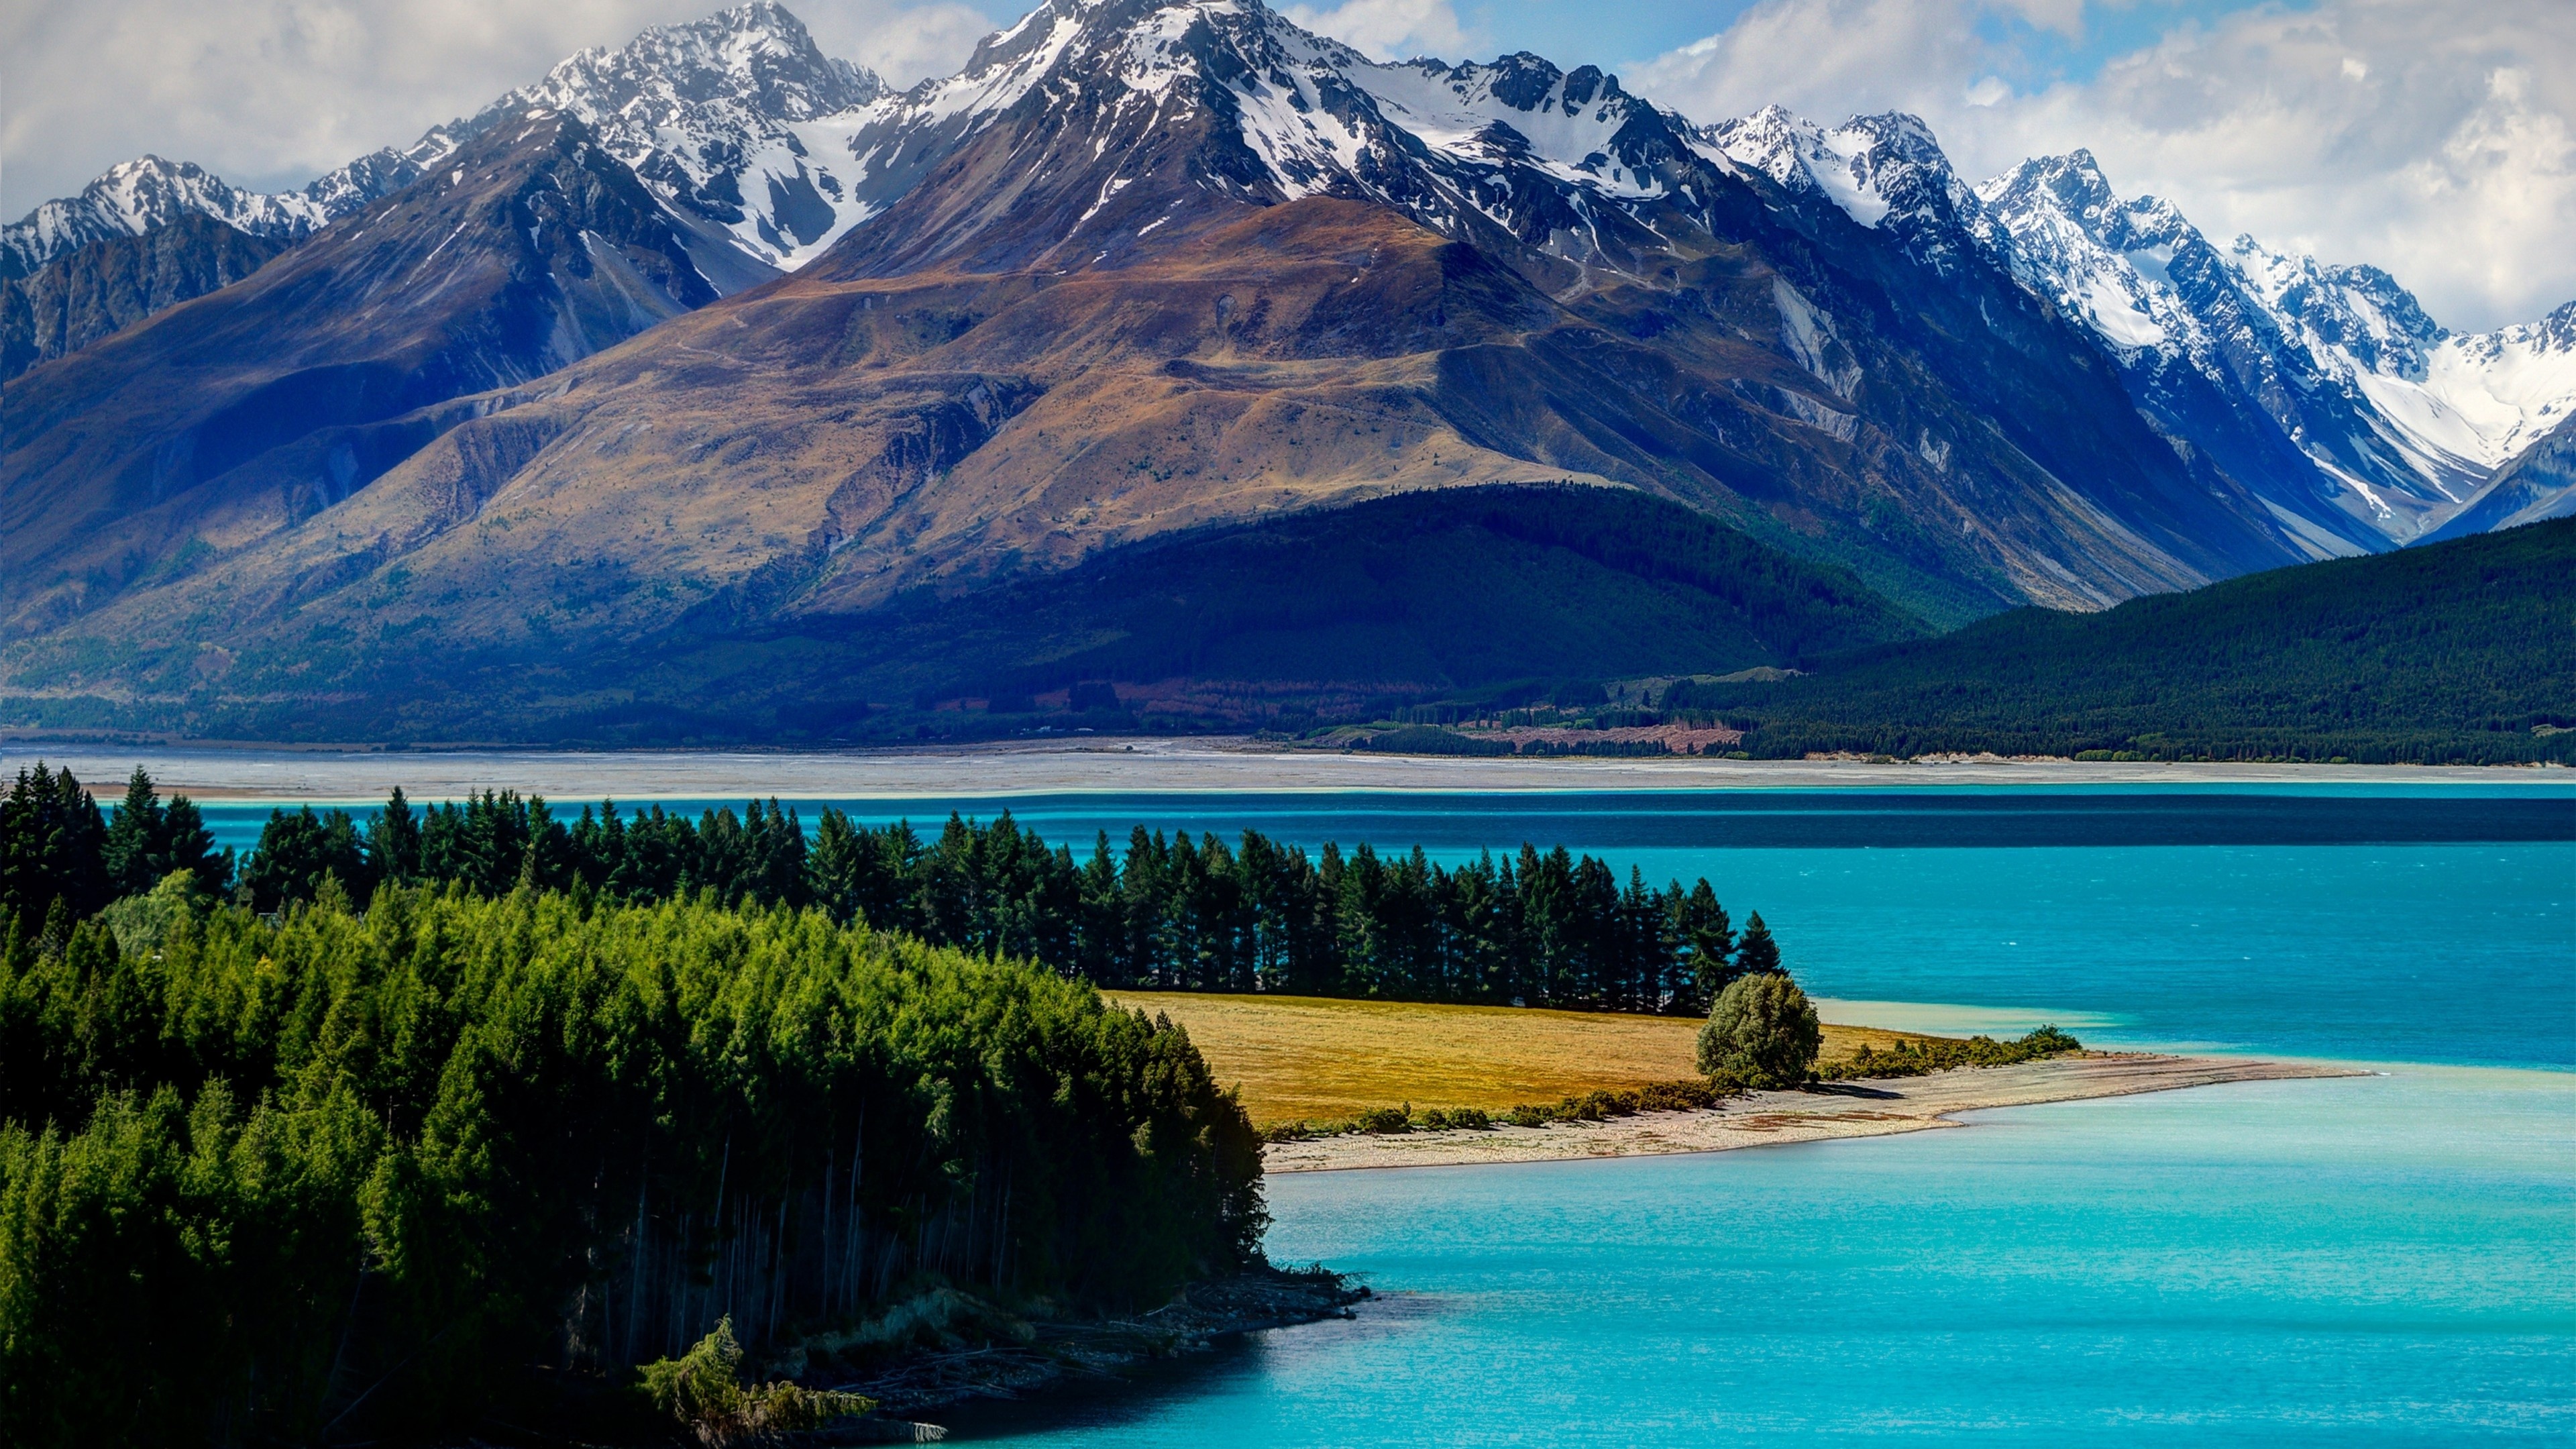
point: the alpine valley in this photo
(712, 389)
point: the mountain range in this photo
(716, 348)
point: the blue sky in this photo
(2436, 138)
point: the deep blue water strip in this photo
(1725, 819)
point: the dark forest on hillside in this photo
(2458, 652)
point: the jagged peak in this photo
(758, 55)
(1878, 168)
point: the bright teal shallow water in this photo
(2382, 1260)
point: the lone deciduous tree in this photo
(1763, 1032)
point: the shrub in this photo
(1473, 1119)
(1914, 1058)
(703, 1390)
(1763, 1031)
(1385, 1120)
(1684, 1096)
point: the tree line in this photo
(1539, 928)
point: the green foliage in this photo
(1596, 1106)
(141, 924)
(1384, 1120)
(348, 1175)
(1914, 1058)
(1432, 740)
(1762, 1032)
(52, 847)
(703, 1392)
(2447, 653)
(1460, 1119)
(296, 851)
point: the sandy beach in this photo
(1856, 1109)
(1173, 766)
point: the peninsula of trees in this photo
(402, 1121)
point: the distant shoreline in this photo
(1149, 765)
(1767, 1119)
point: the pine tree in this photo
(52, 846)
(137, 839)
(393, 840)
(1758, 953)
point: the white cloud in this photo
(270, 93)
(1389, 29)
(2434, 140)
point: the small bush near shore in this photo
(1682, 1096)
(1471, 1119)
(1936, 1054)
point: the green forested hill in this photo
(2461, 651)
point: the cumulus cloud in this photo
(1389, 29)
(2433, 140)
(271, 93)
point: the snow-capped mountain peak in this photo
(141, 195)
(1516, 146)
(1886, 172)
(733, 118)
(2400, 417)
(1873, 167)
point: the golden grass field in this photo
(1313, 1058)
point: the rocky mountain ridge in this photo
(2360, 421)
(1169, 266)
(2325, 390)
(713, 116)
(102, 288)
(216, 424)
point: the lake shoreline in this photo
(1144, 765)
(1831, 1111)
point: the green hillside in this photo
(2461, 651)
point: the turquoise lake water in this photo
(2380, 1260)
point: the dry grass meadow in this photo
(1312, 1058)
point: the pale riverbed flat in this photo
(1172, 766)
(1767, 1119)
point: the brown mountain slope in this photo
(209, 426)
(819, 446)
